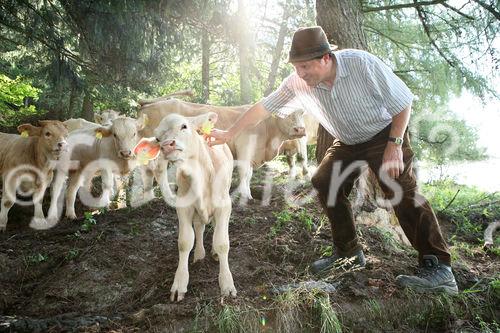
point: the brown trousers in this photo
(413, 211)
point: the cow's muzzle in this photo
(126, 154)
(169, 146)
(298, 132)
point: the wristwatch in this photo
(396, 140)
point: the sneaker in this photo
(431, 277)
(338, 262)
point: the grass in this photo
(470, 210)
(72, 254)
(35, 259)
(88, 222)
(292, 214)
(330, 323)
(465, 206)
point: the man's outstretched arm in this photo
(250, 118)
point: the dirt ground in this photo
(112, 272)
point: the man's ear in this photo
(104, 131)
(30, 129)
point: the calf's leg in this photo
(185, 243)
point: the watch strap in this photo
(396, 140)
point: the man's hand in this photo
(392, 161)
(219, 137)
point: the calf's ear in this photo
(201, 122)
(142, 121)
(105, 132)
(29, 129)
(98, 118)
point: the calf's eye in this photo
(184, 126)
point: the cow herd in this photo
(67, 155)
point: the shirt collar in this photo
(341, 71)
(341, 68)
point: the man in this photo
(366, 107)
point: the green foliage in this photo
(89, 222)
(36, 259)
(440, 137)
(72, 254)
(235, 319)
(465, 206)
(465, 60)
(330, 323)
(12, 100)
(289, 214)
(326, 250)
(228, 320)
(282, 218)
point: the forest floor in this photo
(111, 271)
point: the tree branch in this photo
(411, 71)
(489, 8)
(421, 16)
(444, 4)
(405, 5)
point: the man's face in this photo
(312, 71)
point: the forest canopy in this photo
(62, 59)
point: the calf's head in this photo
(106, 117)
(52, 135)
(178, 135)
(292, 127)
(124, 132)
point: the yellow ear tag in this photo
(24, 134)
(206, 127)
(98, 135)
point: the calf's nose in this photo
(126, 153)
(299, 130)
(168, 143)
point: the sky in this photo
(484, 117)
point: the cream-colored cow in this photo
(297, 148)
(104, 150)
(27, 163)
(203, 178)
(252, 147)
(74, 124)
(106, 117)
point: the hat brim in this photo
(310, 56)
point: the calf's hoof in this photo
(176, 296)
(198, 255)
(38, 223)
(228, 290)
(71, 215)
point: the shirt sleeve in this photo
(280, 102)
(396, 96)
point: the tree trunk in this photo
(88, 107)
(342, 21)
(73, 99)
(205, 66)
(244, 55)
(277, 51)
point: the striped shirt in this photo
(366, 94)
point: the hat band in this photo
(322, 47)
